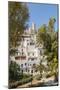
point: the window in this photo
(25, 64)
(34, 64)
(40, 52)
(27, 40)
(31, 43)
(22, 50)
(17, 53)
(35, 70)
(32, 59)
(21, 65)
(31, 71)
(22, 71)
(28, 70)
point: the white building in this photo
(28, 53)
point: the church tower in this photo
(33, 32)
(33, 28)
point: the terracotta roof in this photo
(20, 57)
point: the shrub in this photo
(50, 74)
(39, 77)
(14, 71)
(23, 81)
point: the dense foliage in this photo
(14, 71)
(18, 16)
(48, 36)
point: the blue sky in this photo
(41, 13)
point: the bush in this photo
(39, 77)
(26, 76)
(15, 84)
(50, 74)
(14, 71)
(47, 76)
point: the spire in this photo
(33, 26)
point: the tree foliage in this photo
(49, 38)
(43, 37)
(14, 71)
(18, 15)
(51, 24)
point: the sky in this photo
(41, 13)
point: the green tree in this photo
(44, 38)
(49, 38)
(51, 24)
(14, 71)
(18, 15)
(53, 55)
(40, 67)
